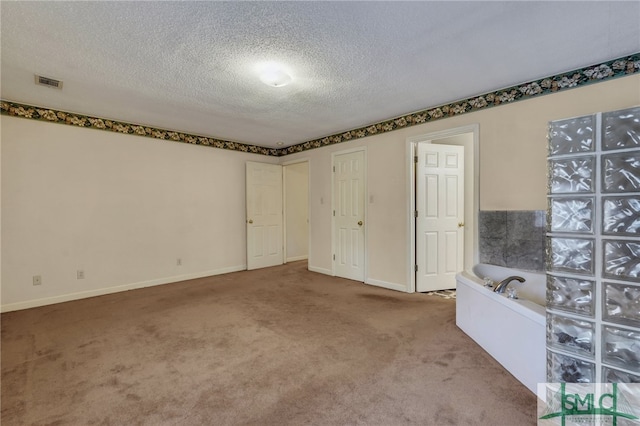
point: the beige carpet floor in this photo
(278, 346)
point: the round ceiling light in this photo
(274, 76)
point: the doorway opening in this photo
(277, 202)
(295, 207)
(467, 137)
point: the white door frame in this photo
(284, 200)
(472, 197)
(333, 207)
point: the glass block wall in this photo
(593, 248)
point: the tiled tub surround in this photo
(513, 239)
(593, 248)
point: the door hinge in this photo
(334, 257)
(416, 268)
(415, 214)
(334, 212)
(334, 169)
(415, 159)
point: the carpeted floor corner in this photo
(277, 346)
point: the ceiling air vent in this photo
(49, 82)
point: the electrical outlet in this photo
(179, 262)
(80, 274)
(37, 280)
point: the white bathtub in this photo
(511, 331)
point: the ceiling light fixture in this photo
(273, 75)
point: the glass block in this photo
(571, 254)
(571, 175)
(621, 348)
(621, 129)
(611, 375)
(622, 260)
(571, 135)
(563, 368)
(571, 214)
(621, 172)
(570, 334)
(571, 295)
(621, 215)
(621, 303)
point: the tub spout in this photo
(502, 285)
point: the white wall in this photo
(123, 208)
(120, 207)
(512, 170)
(296, 210)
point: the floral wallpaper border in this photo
(592, 74)
(55, 116)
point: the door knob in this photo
(460, 224)
(250, 221)
(359, 223)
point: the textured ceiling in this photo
(192, 66)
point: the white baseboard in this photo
(378, 283)
(390, 286)
(102, 291)
(296, 258)
(320, 270)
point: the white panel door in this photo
(440, 215)
(348, 196)
(264, 215)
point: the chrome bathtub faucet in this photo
(502, 285)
